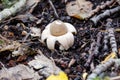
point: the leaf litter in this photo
(96, 43)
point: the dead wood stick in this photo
(100, 7)
(94, 49)
(56, 14)
(112, 40)
(111, 35)
(115, 78)
(105, 41)
(91, 54)
(102, 67)
(107, 13)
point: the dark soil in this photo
(86, 34)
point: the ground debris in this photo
(45, 66)
(102, 67)
(19, 72)
(106, 13)
(93, 44)
(15, 47)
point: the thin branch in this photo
(112, 40)
(105, 42)
(102, 67)
(107, 13)
(56, 14)
(94, 49)
(100, 7)
(111, 36)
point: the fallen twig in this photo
(94, 49)
(105, 41)
(102, 67)
(111, 36)
(112, 40)
(25, 38)
(100, 7)
(56, 14)
(107, 13)
(72, 61)
(91, 54)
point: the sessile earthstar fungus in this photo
(58, 31)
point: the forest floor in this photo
(79, 53)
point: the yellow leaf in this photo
(61, 76)
(110, 56)
(84, 75)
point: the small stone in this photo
(6, 27)
(24, 33)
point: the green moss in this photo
(8, 3)
(97, 78)
(1, 42)
(105, 78)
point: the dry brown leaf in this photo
(80, 9)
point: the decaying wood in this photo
(105, 41)
(12, 10)
(107, 13)
(112, 40)
(94, 50)
(102, 67)
(100, 7)
(111, 35)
